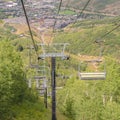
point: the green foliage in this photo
(20, 48)
(111, 111)
(69, 108)
(5, 34)
(96, 100)
(12, 78)
(30, 110)
(10, 28)
(67, 12)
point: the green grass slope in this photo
(82, 37)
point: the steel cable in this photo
(29, 27)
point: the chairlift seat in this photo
(41, 88)
(39, 77)
(92, 75)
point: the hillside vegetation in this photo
(92, 100)
(17, 101)
(96, 100)
(83, 35)
(78, 100)
(106, 6)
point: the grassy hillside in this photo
(94, 5)
(82, 37)
(101, 4)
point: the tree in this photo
(12, 79)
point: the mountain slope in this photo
(83, 34)
(96, 5)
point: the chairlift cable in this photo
(60, 4)
(83, 8)
(80, 13)
(99, 40)
(29, 27)
(64, 9)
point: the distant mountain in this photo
(106, 6)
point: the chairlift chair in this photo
(39, 77)
(92, 75)
(99, 75)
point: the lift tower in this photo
(53, 51)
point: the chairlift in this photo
(39, 77)
(53, 50)
(92, 75)
(99, 75)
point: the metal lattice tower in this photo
(40, 77)
(56, 50)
